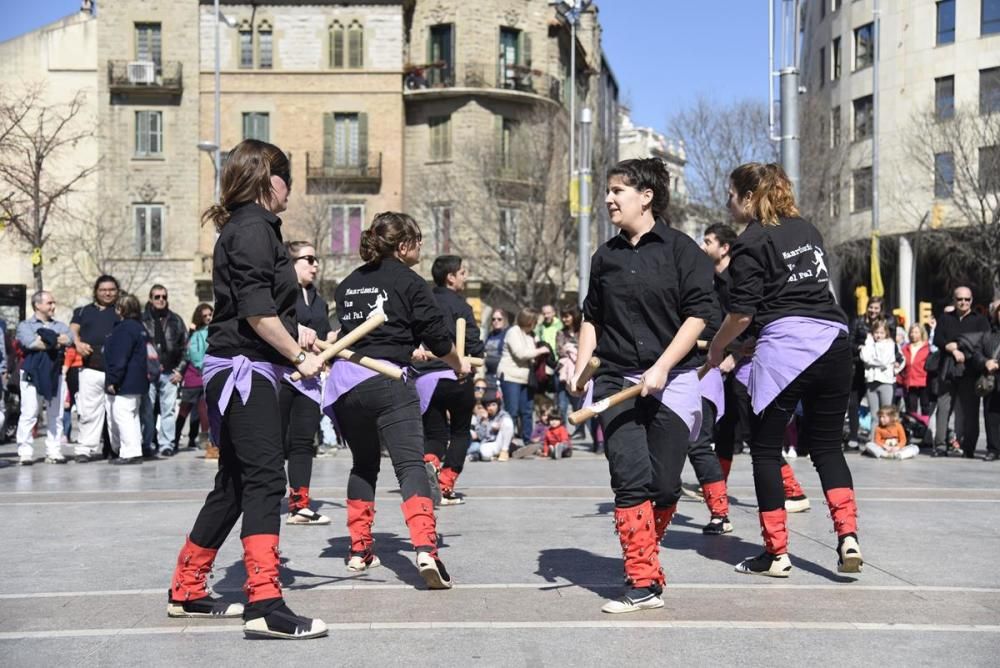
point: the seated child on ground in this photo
(890, 437)
(556, 441)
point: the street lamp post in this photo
(584, 231)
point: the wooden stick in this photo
(367, 362)
(368, 326)
(473, 361)
(584, 414)
(460, 337)
(588, 372)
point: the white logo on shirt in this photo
(379, 305)
(819, 262)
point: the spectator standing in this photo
(985, 362)
(494, 343)
(860, 331)
(546, 332)
(879, 358)
(43, 340)
(956, 380)
(516, 368)
(127, 380)
(193, 384)
(91, 326)
(567, 343)
(168, 333)
(913, 378)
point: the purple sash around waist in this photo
(344, 376)
(427, 383)
(785, 349)
(681, 395)
(742, 371)
(240, 378)
(713, 389)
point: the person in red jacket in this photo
(556, 442)
(913, 378)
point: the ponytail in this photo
(771, 196)
(388, 230)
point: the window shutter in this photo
(140, 229)
(337, 230)
(446, 138)
(355, 220)
(363, 140)
(498, 132)
(337, 47)
(328, 128)
(524, 49)
(355, 45)
(140, 144)
(156, 229)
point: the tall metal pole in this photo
(218, 118)
(789, 80)
(583, 236)
(877, 15)
(572, 92)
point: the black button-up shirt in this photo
(454, 306)
(315, 315)
(639, 296)
(252, 275)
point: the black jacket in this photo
(125, 358)
(175, 333)
(315, 315)
(966, 332)
(454, 307)
(987, 350)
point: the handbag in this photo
(987, 382)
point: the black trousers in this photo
(251, 477)
(992, 408)
(381, 411)
(735, 423)
(824, 389)
(300, 418)
(448, 420)
(859, 389)
(703, 459)
(918, 400)
(645, 444)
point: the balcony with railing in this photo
(145, 77)
(500, 77)
(364, 177)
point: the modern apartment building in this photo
(938, 58)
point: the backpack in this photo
(916, 427)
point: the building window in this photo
(835, 61)
(441, 53)
(862, 189)
(246, 48)
(944, 98)
(864, 46)
(148, 134)
(345, 228)
(863, 119)
(945, 21)
(508, 232)
(514, 65)
(441, 216)
(989, 22)
(835, 200)
(508, 143)
(355, 45)
(265, 46)
(257, 125)
(336, 45)
(822, 67)
(989, 90)
(345, 141)
(440, 131)
(148, 44)
(944, 175)
(835, 130)
(989, 169)
(148, 228)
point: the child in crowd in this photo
(890, 437)
(881, 366)
(542, 410)
(556, 442)
(496, 431)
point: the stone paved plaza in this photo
(89, 551)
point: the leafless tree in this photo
(718, 138)
(509, 211)
(956, 162)
(38, 140)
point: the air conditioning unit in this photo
(142, 72)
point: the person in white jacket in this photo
(881, 366)
(516, 366)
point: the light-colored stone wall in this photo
(61, 58)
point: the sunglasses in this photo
(157, 298)
(311, 259)
(497, 319)
(963, 299)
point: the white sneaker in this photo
(633, 601)
(770, 565)
(797, 504)
(791, 454)
(360, 563)
(849, 555)
(433, 571)
(306, 517)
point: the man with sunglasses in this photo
(957, 332)
(168, 333)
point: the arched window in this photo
(265, 45)
(337, 45)
(355, 45)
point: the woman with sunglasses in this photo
(252, 344)
(493, 344)
(300, 414)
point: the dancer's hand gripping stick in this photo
(595, 409)
(367, 362)
(368, 326)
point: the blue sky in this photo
(663, 52)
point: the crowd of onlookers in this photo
(131, 374)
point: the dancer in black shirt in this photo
(649, 296)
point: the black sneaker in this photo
(271, 618)
(452, 498)
(208, 606)
(85, 459)
(771, 565)
(126, 461)
(939, 451)
(717, 526)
